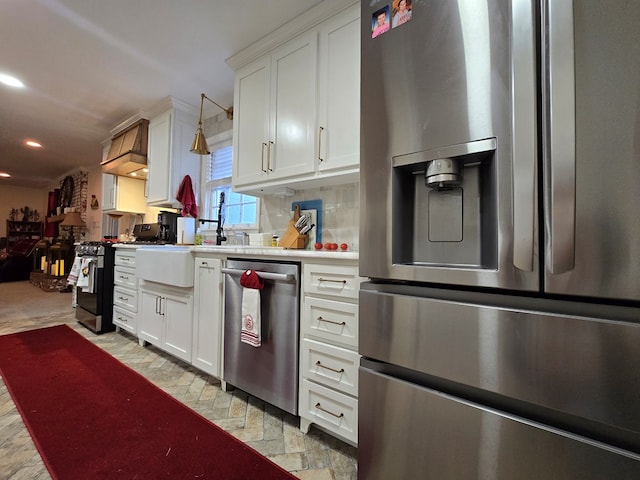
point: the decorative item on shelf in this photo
(94, 203)
(25, 213)
(199, 146)
(34, 216)
(13, 214)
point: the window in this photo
(240, 211)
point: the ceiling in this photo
(88, 65)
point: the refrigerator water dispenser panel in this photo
(444, 204)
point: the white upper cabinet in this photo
(339, 92)
(171, 134)
(275, 105)
(122, 194)
(297, 108)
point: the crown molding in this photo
(302, 23)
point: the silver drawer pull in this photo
(123, 277)
(123, 298)
(327, 411)
(319, 364)
(332, 280)
(342, 324)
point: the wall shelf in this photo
(55, 218)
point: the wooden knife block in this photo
(292, 238)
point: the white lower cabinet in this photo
(166, 319)
(329, 358)
(125, 291)
(207, 316)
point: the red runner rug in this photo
(93, 417)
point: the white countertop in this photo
(229, 250)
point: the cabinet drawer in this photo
(125, 258)
(125, 298)
(332, 410)
(335, 280)
(125, 319)
(331, 366)
(125, 276)
(335, 322)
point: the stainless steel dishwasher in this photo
(270, 371)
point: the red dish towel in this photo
(187, 198)
(250, 331)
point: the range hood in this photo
(128, 152)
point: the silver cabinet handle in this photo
(559, 138)
(269, 167)
(327, 411)
(321, 319)
(331, 280)
(262, 157)
(524, 151)
(320, 130)
(319, 364)
(284, 277)
(157, 305)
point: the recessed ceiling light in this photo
(32, 143)
(5, 175)
(11, 81)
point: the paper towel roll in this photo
(186, 230)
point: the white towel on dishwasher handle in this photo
(250, 333)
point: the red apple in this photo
(343, 246)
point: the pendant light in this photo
(199, 146)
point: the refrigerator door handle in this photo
(523, 103)
(560, 137)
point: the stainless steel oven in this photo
(94, 304)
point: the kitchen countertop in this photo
(230, 250)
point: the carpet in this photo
(91, 416)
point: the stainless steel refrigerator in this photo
(500, 187)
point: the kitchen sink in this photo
(169, 265)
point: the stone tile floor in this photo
(270, 431)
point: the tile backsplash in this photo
(340, 213)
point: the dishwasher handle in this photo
(284, 277)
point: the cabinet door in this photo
(177, 311)
(339, 92)
(122, 194)
(207, 339)
(251, 122)
(150, 318)
(108, 192)
(293, 108)
(158, 158)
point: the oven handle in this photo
(284, 277)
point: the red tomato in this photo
(327, 246)
(317, 246)
(334, 246)
(343, 246)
